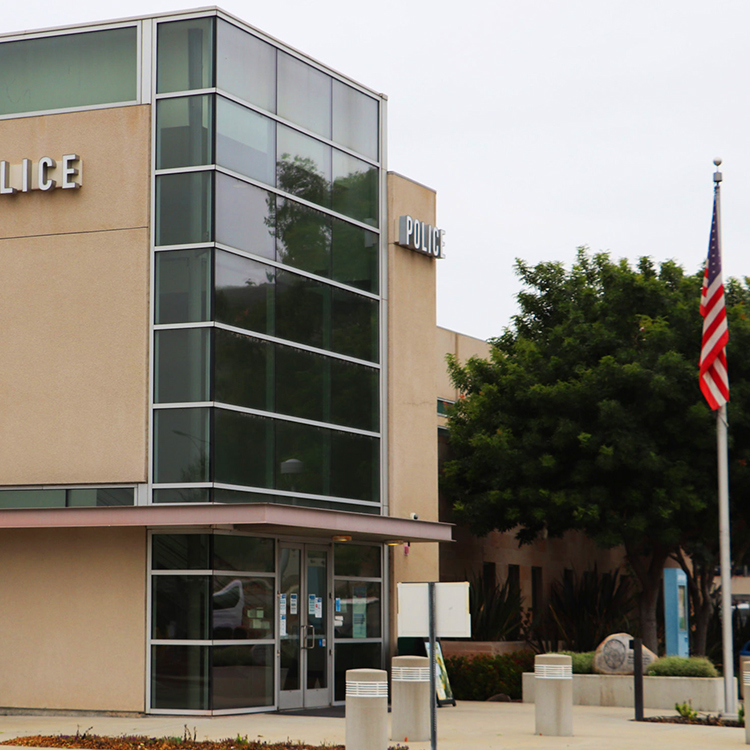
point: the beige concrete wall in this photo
(72, 628)
(75, 303)
(412, 450)
(461, 346)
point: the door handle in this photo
(307, 632)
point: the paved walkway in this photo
(468, 725)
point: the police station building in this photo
(217, 389)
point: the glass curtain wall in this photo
(213, 621)
(267, 376)
(358, 611)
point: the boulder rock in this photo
(614, 655)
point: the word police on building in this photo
(416, 235)
(45, 174)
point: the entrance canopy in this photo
(262, 518)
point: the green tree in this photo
(588, 415)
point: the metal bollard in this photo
(410, 699)
(366, 709)
(553, 695)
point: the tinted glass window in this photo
(69, 70)
(304, 95)
(356, 560)
(355, 399)
(303, 166)
(179, 607)
(245, 141)
(180, 552)
(359, 604)
(182, 365)
(183, 286)
(301, 453)
(354, 325)
(185, 54)
(355, 188)
(183, 208)
(244, 553)
(183, 132)
(244, 370)
(243, 608)
(32, 499)
(355, 256)
(303, 237)
(302, 310)
(244, 449)
(181, 445)
(179, 677)
(302, 383)
(355, 466)
(242, 676)
(101, 497)
(244, 293)
(243, 216)
(355, 120)
(183, 495)
(246, 66)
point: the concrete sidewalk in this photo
(468, 725)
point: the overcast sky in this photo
(543, 125)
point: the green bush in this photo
(477, 678)
(681, 666)
(583, 663)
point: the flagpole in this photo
(730, 699)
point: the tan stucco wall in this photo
(75, 303)
(412, 450)
(72, 630)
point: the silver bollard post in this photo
(366, 709)
(410, 699)
(746, 698)
(553, 695)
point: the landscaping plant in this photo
(477, 678)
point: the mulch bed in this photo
(135, 742)
(706, 721)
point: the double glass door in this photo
(305, 644)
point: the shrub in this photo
(681, 666)
(477, 678)
(586, 608)
(495, 611)
(583, 663)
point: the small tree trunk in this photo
(700, 581)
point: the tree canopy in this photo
(588, 414)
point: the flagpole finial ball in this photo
(717, 162)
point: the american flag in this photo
(714, 380)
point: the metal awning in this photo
(263, 518)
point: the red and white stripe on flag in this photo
(714, 380)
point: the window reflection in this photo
(355, 120)
(245, 141)
(304, 94)
(243, 608)
(246, 66)
(303, 166)
(355, 188)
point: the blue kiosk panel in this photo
(676, 612)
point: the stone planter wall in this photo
(486, 648)
(706, 693)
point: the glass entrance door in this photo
(304, 638)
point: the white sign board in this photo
(452, 618)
